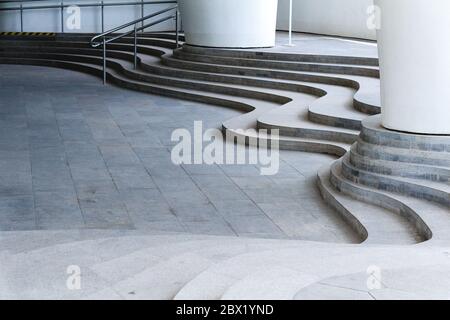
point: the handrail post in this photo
(62, 17)
(103, 17)
(104, 60)
(142, 15)
(21, 17)
(135, 47)
(176, 28)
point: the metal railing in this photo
(63, 5)
(102, 39)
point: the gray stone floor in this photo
(323, 45)
(75, 154)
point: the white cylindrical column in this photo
(414, 49)
(229, 23)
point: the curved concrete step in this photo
(431, 219)
(367, 92)
(431, 158)
(295, 57)
(373, 223)
(280, 65)
(420, 189)
(366, 100)
(401, 169)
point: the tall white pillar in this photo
(229, 23)
(414, 49)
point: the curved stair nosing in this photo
(289, 143)
(381, 199)
(365, 107)
(323, 182)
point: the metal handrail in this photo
(61, 7)
(95, 43)
(126, 25)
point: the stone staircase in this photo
(403, 173)
(392, 188)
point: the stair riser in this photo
(297, 145)
(396, 186)
(231, 91)
(281, 56)
(311, 134)
(399, 155)
(399, 169)
(366, 108)
(374, 134)
(263, 73)
(356, 71)
(234, 80)
(334, 121)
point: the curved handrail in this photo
(96, 44)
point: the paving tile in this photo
(252, 224)
(58, 210)
(107, 218)
(120, 155)
(126, 177)
(17, 213)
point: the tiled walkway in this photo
(76, 154)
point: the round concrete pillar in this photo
(229, 23)
(414, 49)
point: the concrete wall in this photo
(333, 17)
(49, 20)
